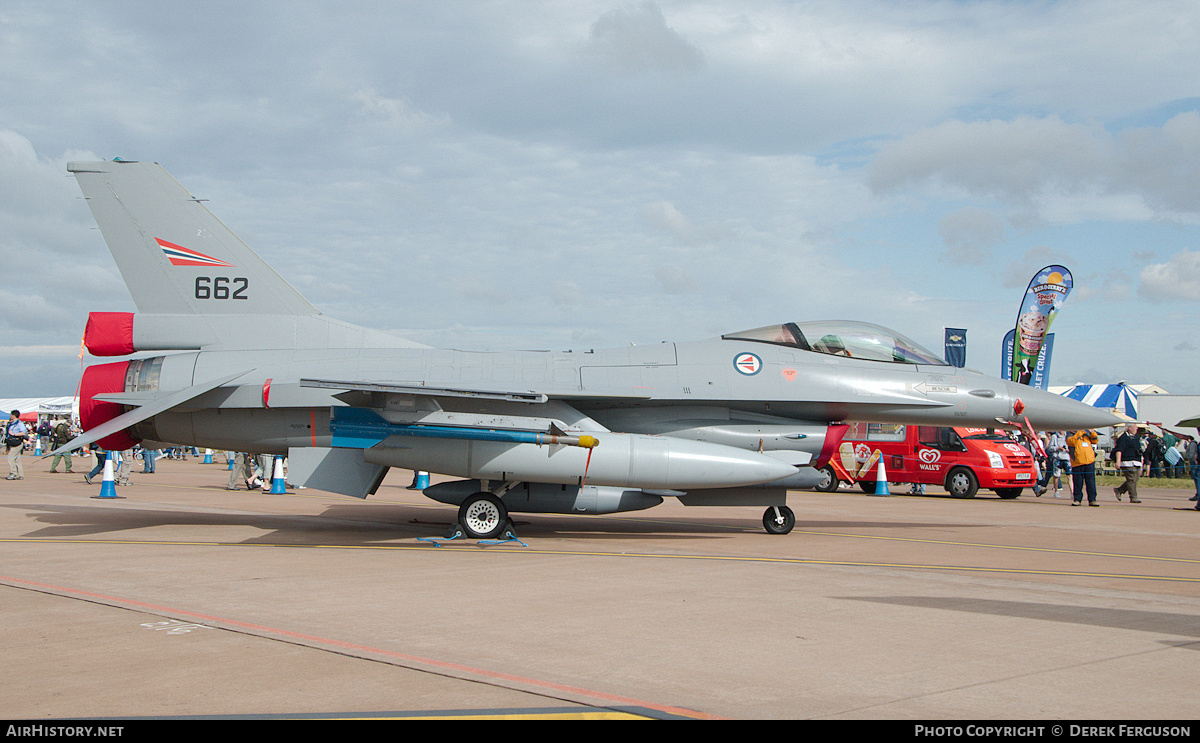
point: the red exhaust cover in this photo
(98, 380)
(833, 438)
(109, 334)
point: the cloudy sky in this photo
(524, 174)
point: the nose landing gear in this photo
(779, 520)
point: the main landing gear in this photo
(482, 516)
(779, 520)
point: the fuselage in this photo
(636, 389)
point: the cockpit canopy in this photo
(857, 340)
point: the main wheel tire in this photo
(962, 483)
(829, 480)
(482, 516)
(780, 523)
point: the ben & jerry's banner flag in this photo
(1043, 299)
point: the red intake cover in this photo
(833, 438)
(109, 334)
(98, 380)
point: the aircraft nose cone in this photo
(1050, 412)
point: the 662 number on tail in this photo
(221, 287)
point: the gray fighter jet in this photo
(227, 355)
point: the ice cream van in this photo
(963, 460)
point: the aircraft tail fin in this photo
(174, 255)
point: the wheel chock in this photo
(509, 536)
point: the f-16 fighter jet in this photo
(734, 420)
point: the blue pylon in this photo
(278, 486)
(108, 488)
(881, 486)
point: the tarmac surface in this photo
(183, 599)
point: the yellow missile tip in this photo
(589, 442)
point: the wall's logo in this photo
(747, 363)
(929, 456)
(181, 256)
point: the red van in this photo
(960, 459)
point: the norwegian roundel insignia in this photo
(747, 363)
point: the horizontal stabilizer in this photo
(136, 399)
(147, 410)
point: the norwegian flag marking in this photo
(181, 256)
(747, 363)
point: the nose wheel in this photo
(779, 520)
(482, 516)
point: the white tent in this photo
(42, 405)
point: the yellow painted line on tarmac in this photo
(1016, 547)
(998, 546)
(583, 715)
(473, 548)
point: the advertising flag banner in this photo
(1041, 303)
(1006, 354)
(956, 347)
(1041, 372)
(1040, 376)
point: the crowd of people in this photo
(1137, 452)
(20, 438)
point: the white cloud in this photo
(970, 233)
(1063, 172)
(637, 39)
(397, 112)
(664, 216)
(48, 247)
(1177, 279)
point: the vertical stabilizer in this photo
(175, 256)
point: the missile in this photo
(622, 460)
(382, 431)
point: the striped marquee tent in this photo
(1117, 397)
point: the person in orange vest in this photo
(1083, 466)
